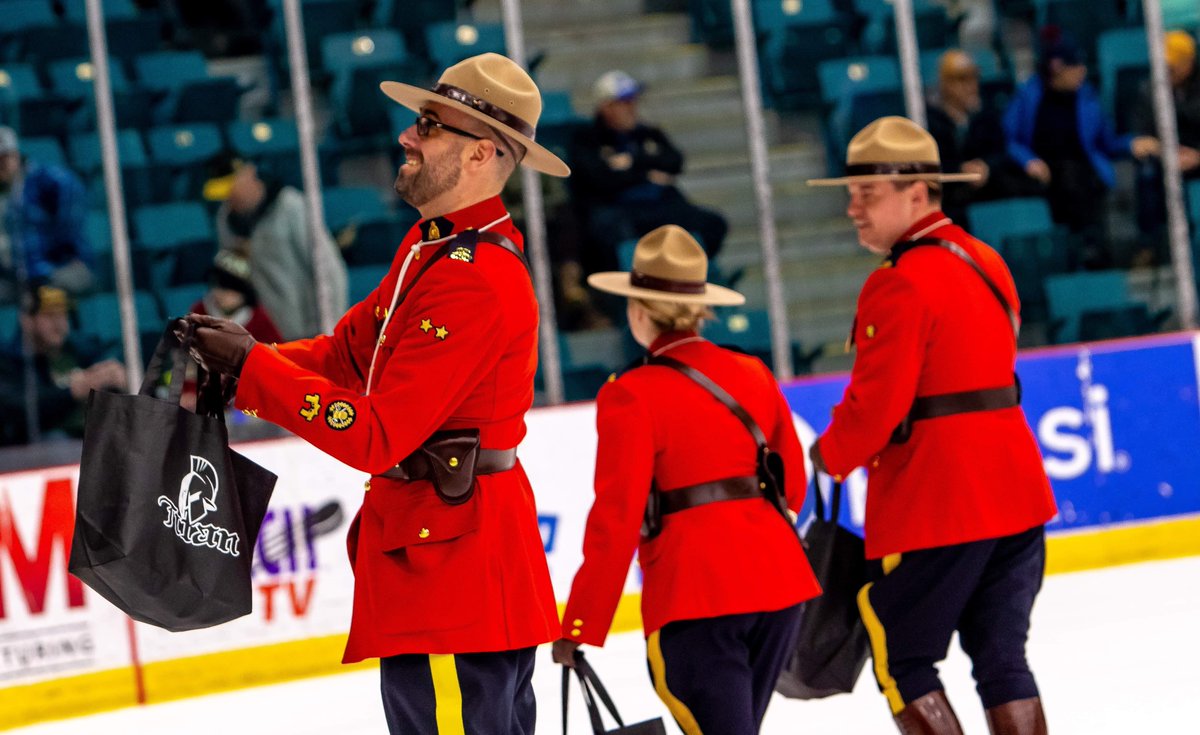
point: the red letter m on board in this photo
(58, 523)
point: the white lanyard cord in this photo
(940, 223)
(387, 315)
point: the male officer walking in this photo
(958, 497)
(425, 385)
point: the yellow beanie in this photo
(1179, 48)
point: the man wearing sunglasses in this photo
(424, 385)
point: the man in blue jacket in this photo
(42, 210)
(1058, 133)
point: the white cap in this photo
(615, 85)
(8, 140)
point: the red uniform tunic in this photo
(723, 558)
(459, 352)
(928, 326)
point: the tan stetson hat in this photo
(495, 90)
(668, 265)
(893, 149)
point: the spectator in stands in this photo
(1059, 135)
(65, 369)
(624, 178)
(42, 208)
(267, 223)
(231, 295)
(1180, 52)
(970, 137)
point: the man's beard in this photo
(432, 178)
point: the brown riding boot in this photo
(928, 715)
(1022, 717)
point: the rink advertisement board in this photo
(1118, 424)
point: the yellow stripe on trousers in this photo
(447, 696)
(658, 667)
(875, 632)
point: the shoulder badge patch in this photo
(463, 253)
(339, 415)
(312, 407)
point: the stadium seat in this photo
(840, 78)
(412, 17)
(9, 325)
(321, 18)
(798, 37)
(188, 93)
(358, 62)
(1130, 320)
(28, 108)
(100, 317)
(19, 18)
(1085, 20)
(558, 122)
(178, 300)
(86, 159)
(99, 235)
(363, 280)
(745, 329)
(879, 35)
(450, 42)
(1124, 62)
(128, 31)
(272, 144)
(43, 150)
(345, 205)
(180, 155)
(1070, 295)
(995, 221)
(1022, 231)
(72, 79)
(179, 241)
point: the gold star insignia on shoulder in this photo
(870, 331)
(426, 325)
(441, 333)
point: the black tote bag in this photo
(594, 693)
(167, 515)
(831, 648)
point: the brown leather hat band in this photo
(464, 97)
(641, 280)
(887, 169)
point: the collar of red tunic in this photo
(923, 224)
(475, 216)
(667, 340)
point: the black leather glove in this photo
(220, 345)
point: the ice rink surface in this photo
(1114, 650)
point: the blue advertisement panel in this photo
(1118, 424)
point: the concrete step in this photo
(539, 15)
(795, 203)
(718, 96)
(612, 36)
(577, 71)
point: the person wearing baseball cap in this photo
(1060, 135)
(625, 183)
(424, 386)
(723, 571)
(48, 203)
(958, 496)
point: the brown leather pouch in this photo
(452, 456)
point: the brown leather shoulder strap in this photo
(718, 392)
(959, 251)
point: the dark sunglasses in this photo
(425, 124)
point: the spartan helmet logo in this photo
(198, 491)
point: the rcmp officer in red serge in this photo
(958, 497)
(425, 385)
(724, 573)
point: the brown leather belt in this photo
(968, 401)
(951, 404)
(416, 466)
(732, 488)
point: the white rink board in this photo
(1114, 651)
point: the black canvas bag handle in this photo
(173, 350)
(593, 689)
(835, 501)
